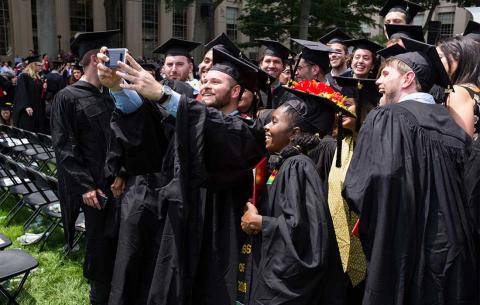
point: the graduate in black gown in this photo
(312, 62)
(406, 182)
(29, 104)
(206, 167)
(335, 39)
(80, 125)
(274, 59)
(399, 11)
(295, 256)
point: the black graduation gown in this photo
(406, 182)
(472, 186)
(322, 155)
(197, 213)
(296, 258)
(55, 83)
(28, 93)
(279, 96)
(332, 82)
(147, 132)
(80, 124)
(145, 138)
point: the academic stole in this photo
(245, 262)
(344, 220)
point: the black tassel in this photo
(338, 162)
(296, 66)
(358, 109)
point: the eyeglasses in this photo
(299, 68)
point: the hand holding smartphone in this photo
(102, 200)
(115, 55)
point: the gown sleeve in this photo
(374, 166)
(64, 138)
(298, 247)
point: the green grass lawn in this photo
(57, 280)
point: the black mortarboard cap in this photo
(224, 43)
(177, 47)
(409, 8)
(335, 36)
(319, 101)
(317, 111)
(360, 84)
(264, 80)
(472, 30)
(6, 105)
(315, 52)
(30, 59)
(392, 51)
(363, 90)
(395, 31)
(241, 71)
(149, 66)
(77, 66)
(86, 41)
(423, 59)
(274, 48)
(364, 44)
(317, 114)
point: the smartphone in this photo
(102, 200)
(115, 55)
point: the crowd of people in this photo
(344, 174)
(28, 88)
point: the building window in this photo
(179, 23)
(150, 26)
(118, 18)
(4, 28)
(418, 20)
(81, 16)
(231, 19)
(447, 22)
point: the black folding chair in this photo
(5, 180)
(6, 141)
(5, 242)
(37, 153)
(79, 233)
(21, 144)
(34, 196)
(14, 263)
(44, 197)
(46, 142)
(50, 206)
(21, 186)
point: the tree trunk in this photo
(304, 18)
(433, 6)
(203, 28)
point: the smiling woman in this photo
(293, 233)
(363, 57)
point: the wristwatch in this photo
(167, 93)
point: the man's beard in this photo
(388, 98)
(221, 101)
(339, 65)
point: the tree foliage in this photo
(262, 18)
(280, 19)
